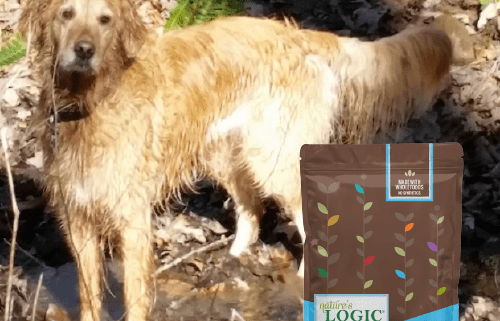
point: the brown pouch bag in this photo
(382, 227)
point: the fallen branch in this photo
(202, 249)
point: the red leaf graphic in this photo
(369, 260)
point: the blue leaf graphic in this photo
(359, 189)
(400, 274)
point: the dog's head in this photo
(82, 36)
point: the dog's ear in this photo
(132, 29)
(33, 21)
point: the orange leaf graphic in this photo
(334, 219)
(408, 227)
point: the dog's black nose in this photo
(84, 50)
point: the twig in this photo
(27, 254)
(197, 251)
(15, 209)
(235, 314)
(40, 278)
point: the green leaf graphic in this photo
(441, 290)
(360, 239)
(409, 297)
(322, 208)
(323, 273)
(400, 251)
(367, 206)
(368, 284)
(433, 262)
(441, 219)
(322, 251)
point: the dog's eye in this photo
(105, 19)
(67, 13)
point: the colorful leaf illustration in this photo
(332, 239)
(360, 200)
(410, 243)
(360, 239)
(409, 217)
(368, 284)
(400, 251)
(368, 219)
(333, 187)
(399, 237)
(432, 246)
(400, 274)
(322, 208)
(334, 219)
(322, 236)
(408, 227)
(333, 258)
(433, 262)
(322, 251)
(433, 299)
(410, 263)
(369, 260)
(367, 235)
(441, 219)
(322, 188)
(359, 189)
(360, 251)
(410, 282)
(400, 217)
(441, 290)
(332, 283)
(323, 273)
(367, 206)
(409, 297)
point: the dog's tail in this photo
(384, 82)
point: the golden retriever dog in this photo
(127, 118)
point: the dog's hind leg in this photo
(137, 253)
(84, 241)
(249, 208)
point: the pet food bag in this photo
(382, 227)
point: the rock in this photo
(463, 49)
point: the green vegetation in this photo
(13, 50)
(194, 12)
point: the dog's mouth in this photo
(75, 78)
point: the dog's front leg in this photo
(137, 252)
(84, 241)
